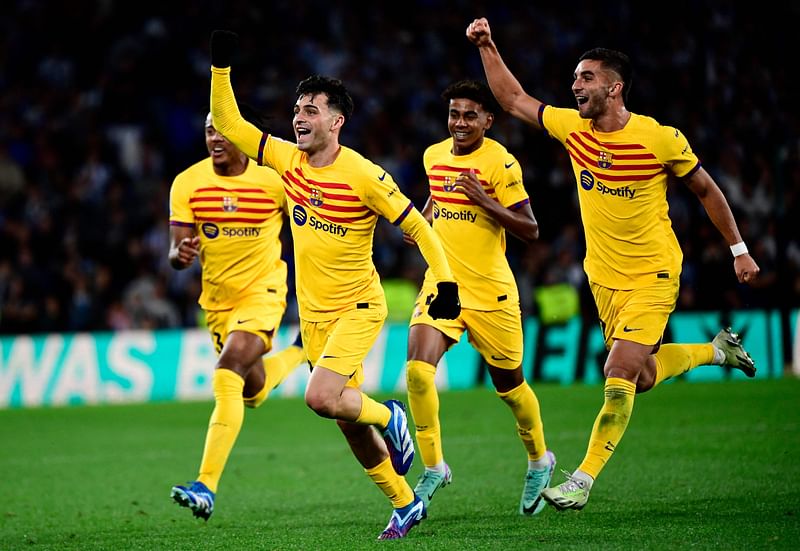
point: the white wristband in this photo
(738, 249)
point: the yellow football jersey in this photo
(622, 190)
(475, 243)
(238, 219)
(333, 211)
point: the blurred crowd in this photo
(102, 103)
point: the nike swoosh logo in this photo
(244, 321)
(629, 329)
(532, 508)
(382, 177)
(509, 165)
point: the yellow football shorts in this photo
(637, 315)
(341, 344)
(495, 334)
(259, 314)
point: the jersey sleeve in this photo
(558, 121)
(382, 195)
(180, 213)
(673, 150)
(510, 189)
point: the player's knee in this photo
(505, 380)
(233, 364)
(623, 369)
(322, 403)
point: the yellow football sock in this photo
(424, 403)
(373, 413)
(276, 368)
(525, 407)
(391, 484)
(674, 359)
(223, 428)
(610, 424)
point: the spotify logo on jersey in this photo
(299, 215)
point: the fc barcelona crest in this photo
(448, 184)
(230, 204)
(315, 197)
(604, 159)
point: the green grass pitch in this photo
(702, 466)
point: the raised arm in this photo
(720, 213)
(505, 86)
(225, 113)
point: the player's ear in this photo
(489, 120)
(337, 123)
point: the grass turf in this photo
(707, 466)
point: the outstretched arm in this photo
(427, 214)
(446, 304)
(505, 86)
(720, 213)
(429, 245)
(225, 113)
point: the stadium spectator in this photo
(622, 162)
(335, 196)
(476, 179)
(229, 212)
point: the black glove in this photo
(446, 304)
(223, 44)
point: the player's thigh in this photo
(341, 345)
(244, 333)
(496, 335)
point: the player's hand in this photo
(746, 269)
(408, 240)
(446, 304)
(223, 44)
(469, 184)
(478, 32)
(188, 250)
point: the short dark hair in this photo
(475, 90)
(338, 96)
(616, 61)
